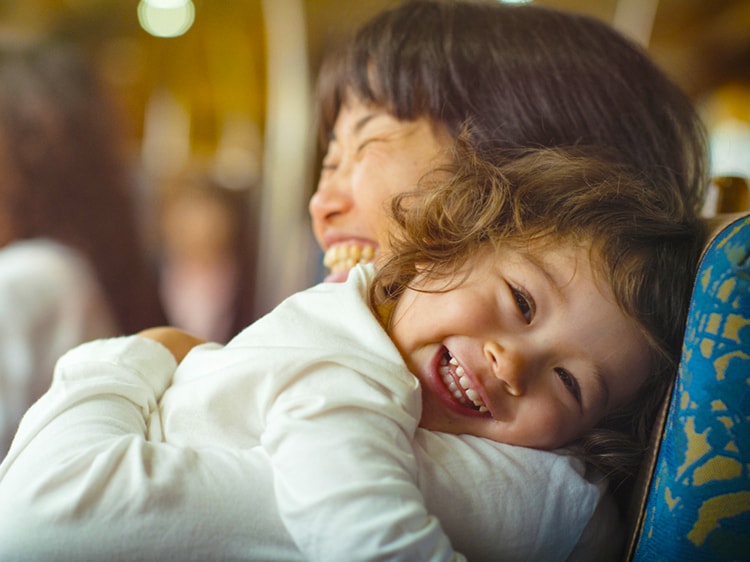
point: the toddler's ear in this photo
(177, 341)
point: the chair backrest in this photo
(693, 500)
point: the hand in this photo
(177, 341)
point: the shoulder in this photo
(43, 261)
(321, 316)
(48, 288)
(517, 496)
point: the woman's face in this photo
(371, 156)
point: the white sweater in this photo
(272, 437)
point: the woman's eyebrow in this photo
(363, 121)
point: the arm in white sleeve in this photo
(82, 482)
(345, 472)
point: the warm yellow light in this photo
(166, 18)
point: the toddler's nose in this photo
(508, 365)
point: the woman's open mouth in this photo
(340, 258)
(458, 384)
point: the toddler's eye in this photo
(570, 382)
(524, 303)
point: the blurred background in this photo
(215, 100)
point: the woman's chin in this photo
(338, 277)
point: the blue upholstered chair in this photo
(695, 492)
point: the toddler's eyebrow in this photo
(601, 382)
(551, 280)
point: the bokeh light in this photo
(166, 18)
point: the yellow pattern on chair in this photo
(715, 509)
(698, 503)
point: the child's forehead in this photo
(540, 248)
(545, 254)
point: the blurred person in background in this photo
(71, 263)
(204, 258)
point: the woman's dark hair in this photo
(522, 77)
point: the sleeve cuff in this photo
(150, 360)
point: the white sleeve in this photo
(82, 482)
(345, 472)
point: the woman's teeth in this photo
(343, 257)
(450, 371)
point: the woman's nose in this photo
(509, 367)
(331, 198)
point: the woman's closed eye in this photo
(365, 143)
(524, 303)
(570, 383)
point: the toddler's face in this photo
(371, 157)
(530, 350)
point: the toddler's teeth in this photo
(463, 391)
